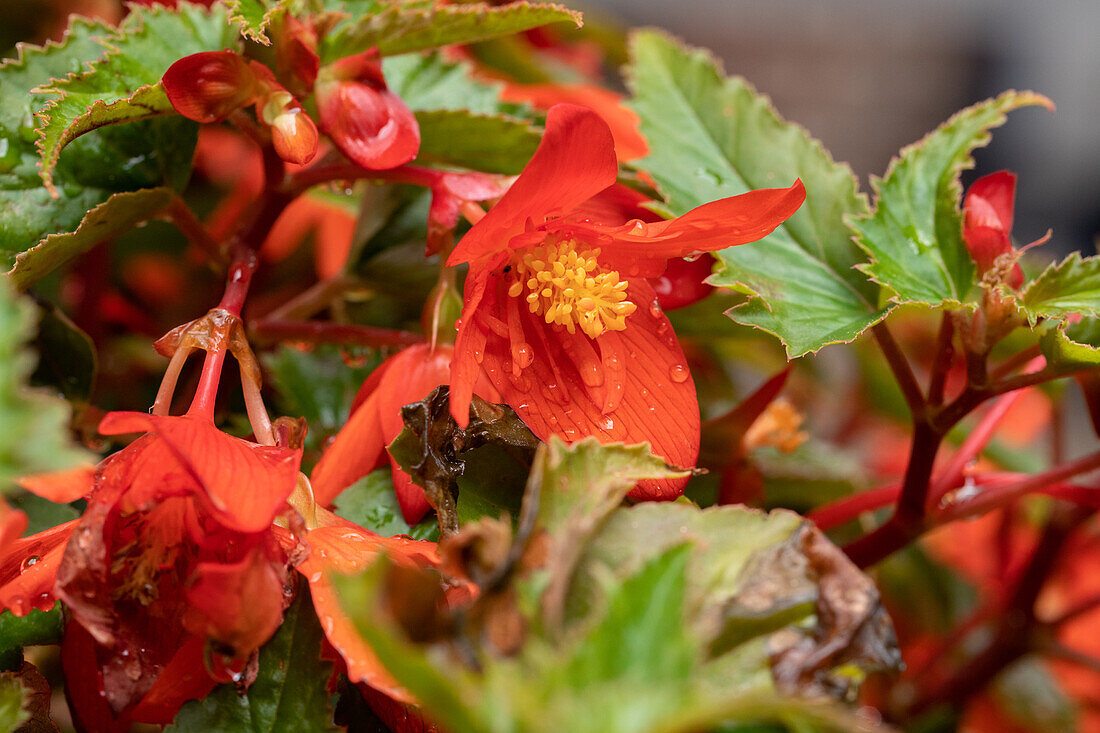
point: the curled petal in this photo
(372, 126)
(355, 452)
(206, 87)
(239, 604)
(12, 524)
(643, 247)
(61, 487)
(684, 282)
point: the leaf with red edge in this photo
(400, 28)
(124, 85)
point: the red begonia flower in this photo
(559, 314)
(176, 544)
(987, 221)
(370, 124)
(623, 121)
(407, 376)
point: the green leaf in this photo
(118, 214)
(36, 628)
(1073, 345)
(42, 514)
(37, 424)
(914, 236)
(12, 714)
(371, 503)
(397, 28)
(124, 85)
(289, 693)
(479, 142)
(1065, 288)
(712, 137)
(318, 385)
(66, 355)
(254, 16)
(427, 82)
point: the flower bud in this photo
(206, 87)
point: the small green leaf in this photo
(1072, 345)
(479, 142)
(397, 28)
(711, 137)
(254, 17)
(289, 694)
(118, 214)
(1067, 287)
(124, 85)
(914, 236)
(37, 423)
(36, 628)
(371, 503)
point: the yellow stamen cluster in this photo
(567, 285)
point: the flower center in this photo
(566, 285)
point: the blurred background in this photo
(868, 77)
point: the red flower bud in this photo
(987, 221)
(207, 87)
(292, 131)
(370, 124)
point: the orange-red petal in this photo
(344, 548)
(640, 373)
(28, 569)
(372, 126)
(642, 248)
(206, 87)
(354, 452)
(245, 484)
(239, 604)
(574, 161)
(622, 121)
(61, 487)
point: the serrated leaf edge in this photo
(1024, 98)
(48, 158)
(1051, 270)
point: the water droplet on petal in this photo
(607, 424)
(678, 373)
(524, 355)
(28, 563)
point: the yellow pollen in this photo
(566, 285)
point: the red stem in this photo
(846, 509)
(321, 332)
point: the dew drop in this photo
(678, 373)
(479, 355)
(524, 355)
(28, 563)
(607, 424)
(655, 309)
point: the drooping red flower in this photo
(369, 123)
(987, 221)
(359, 447)
(207, 87)
(175, 552)
(559, 314)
